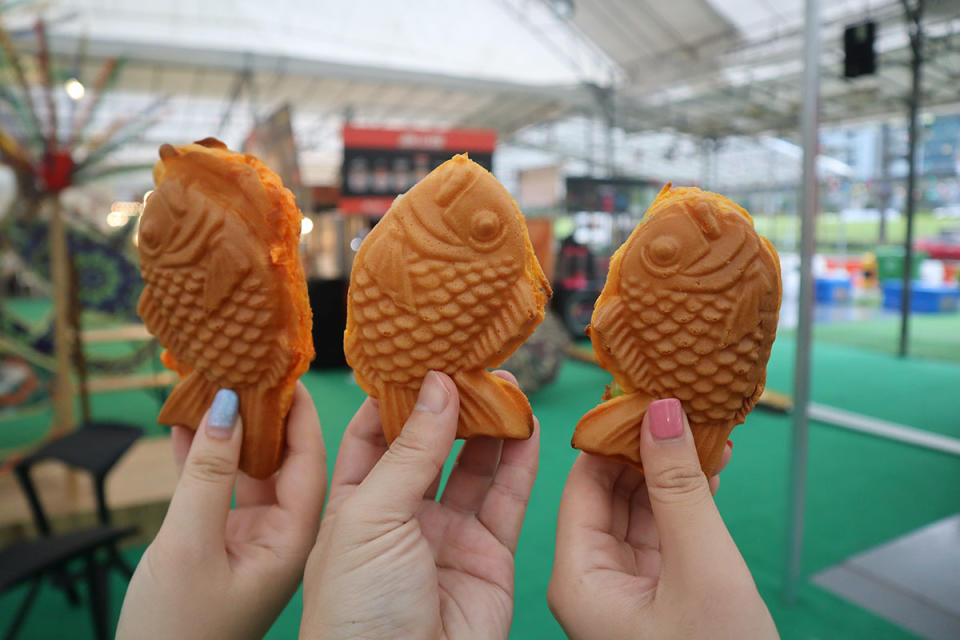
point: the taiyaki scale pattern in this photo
(689, 311)
(225, 291)
(446, 281)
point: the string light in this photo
(75, 89)
(121, 212)
(306, 226)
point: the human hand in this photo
(648, 556)
(217, 572)
(391, 561)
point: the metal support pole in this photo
(588, 142)
(610, 116)
(801, 376)
(886, 188)
(914, 16)
(704, 163)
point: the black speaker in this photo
(859, 58)
(328, 300)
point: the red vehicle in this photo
(944, 246)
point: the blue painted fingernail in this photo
(223, 414)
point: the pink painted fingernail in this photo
(730, 442)
(666, 419)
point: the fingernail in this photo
(730, 442)
(223, 414)
(433, 395)
(666, 419)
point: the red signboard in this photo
(380, 164)
(454, 140)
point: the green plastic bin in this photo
(890, 263)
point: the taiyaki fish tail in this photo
(612, 428)
(396, 405)
(711, 440)
(262, 440)
(188, 401)
(491, 406)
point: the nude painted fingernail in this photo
(666, 419)
(433, 395)
(223, 414)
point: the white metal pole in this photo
(801, 377)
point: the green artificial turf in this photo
(834, 233)
(862, 491)
(935, 336)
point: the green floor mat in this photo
(862, 491)
(935, 336)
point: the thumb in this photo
(693, 538)
(201, 501)
(395, 486)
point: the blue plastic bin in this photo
(833, 290)
(924, 298)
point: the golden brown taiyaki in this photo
(446, 281)
(689, 311)
(225, 291)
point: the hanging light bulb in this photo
(75, 89)
(563, 8)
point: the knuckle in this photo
(680, 482)
(211, 468)
(511, 493)
(411, 449)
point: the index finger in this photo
(505, 504)
(586, 507)
(302, 481)
(363, 444)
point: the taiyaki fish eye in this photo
(485, 226)
(664, 250)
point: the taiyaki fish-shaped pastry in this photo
(446, 281)
(225, 291)
(689, 311)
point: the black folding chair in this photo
(94, 448)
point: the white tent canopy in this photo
(686, 69)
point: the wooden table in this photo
(138, 491)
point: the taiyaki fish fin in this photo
(517, 317)
(387, 265)
(396, 405)
(618, 350)
(612, 428)
(227, 268)
(457, 174)
(711, 440)
(188, 401)
(149, 310)
(170, 362)
(491, 406)
(211, 143)
(168, 151)
(262, 440)
(745, 316)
